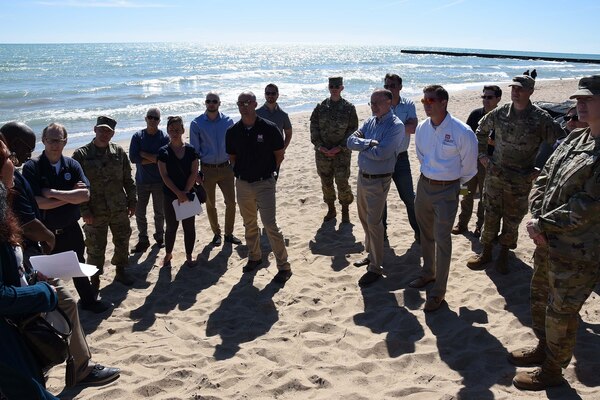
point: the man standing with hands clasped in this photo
(378, 142)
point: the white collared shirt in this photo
(446, 152)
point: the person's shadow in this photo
(335, 243)
(244, 315)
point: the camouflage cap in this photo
(524, 81)
(336, 81)
(108, 122)
(588, 86)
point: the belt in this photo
(441, 183)
(58, 231)
(376, 176)
(225, 164)
(251, 180)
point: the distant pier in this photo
(489, 55)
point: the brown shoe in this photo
(433, 303)
(529, 356)
(420, 282)
(331, 213)
(538, 379)
(478, 261)
(458, 229)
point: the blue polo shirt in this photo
(41, 175)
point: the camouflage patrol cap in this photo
(588, 86)
(108, 122)
(336, 81)
(524, 81)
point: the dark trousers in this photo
(402, 178)
(71, 238)
(188, 224)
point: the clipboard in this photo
(187, 209)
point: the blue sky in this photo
(533, 25)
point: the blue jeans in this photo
(403, 179)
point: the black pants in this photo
(71, 238)
(188, 224)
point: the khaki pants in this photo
(222, 176)
(260, 196)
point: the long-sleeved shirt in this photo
(208, 137)
(446, 152)
(381, 158)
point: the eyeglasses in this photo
(390, 86)
(153, 118)
(243, 103)
(55, 141)
(270, 93)
(377, 103)
(428, 100)
(335, 86)
(489, 97)
(573, 118)
(212, 101)
(13, 158)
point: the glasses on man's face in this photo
(335, 86)
(428, 100)
(243, 103)
(153, 118)
(55, 141)
(270, 93)
(13, 158)
(573, 118)
(212, 101)
(488, 97)
(390, 86)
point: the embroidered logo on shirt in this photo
(448, 139)
(67, 176)
(260, 138)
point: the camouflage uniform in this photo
(511, 168)
(566, 202)
(331, 123)
(112, 193)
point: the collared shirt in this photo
(143, 141)
(277, 116)
(446, 152)
(405, 110)
(208, 137)
(380, 159)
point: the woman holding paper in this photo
(20, 375)
(178, 166)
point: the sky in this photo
(522, 25)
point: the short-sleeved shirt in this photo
(405, 110)
(23, 203)
(42, 175)
(254, 149)
(179, 170)
(277, 116)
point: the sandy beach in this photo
(211, 332)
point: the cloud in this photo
(102, 4)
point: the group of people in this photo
(494, 152)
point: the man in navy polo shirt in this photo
(255, 148)
(60, 186)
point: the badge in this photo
(67, 176)
(260, 138)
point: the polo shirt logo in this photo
(260, 138)
(68, 176)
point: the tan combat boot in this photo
(478, 261)
(331, 213)
(529, 356)
(345, 214)
(548, 375)
(502, 261)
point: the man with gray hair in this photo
(143, 151)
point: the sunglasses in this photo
(270, 93)
(153, 118)
(13, 158)
(212, 101)
(573, 118)
(390, 86)
(55, 141)
(243, 103)
(488, 97)
(335, 86)
(428, 100)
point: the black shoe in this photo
(283, 276)
(360, 263)
(140, 247)
(97, 307)
(477, 232)
(216, 241)
(100, 375)
(368, 278)
(123, 277)
(251, 265)
(159, 239)
(232, 239)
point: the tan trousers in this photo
(260, 196)
(223, 177)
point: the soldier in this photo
(112, 198)
(490, 98)
(331, 123)
(520, 127)
(564, 225)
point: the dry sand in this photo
(211, 332)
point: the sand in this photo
(211, 332)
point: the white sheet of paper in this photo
(63, 265)
(187, 209)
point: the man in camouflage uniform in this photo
(112, 198)
(331, 123)
(564, 225)
(520, 128)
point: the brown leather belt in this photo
(441, 183)
(225, 164)
(375, 176)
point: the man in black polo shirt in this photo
(60, 186)
(255, 148)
